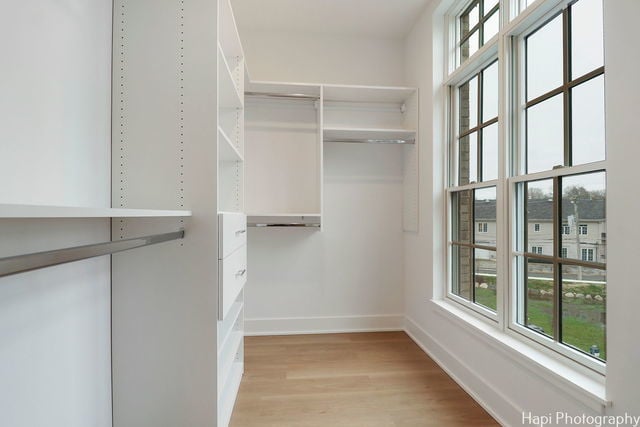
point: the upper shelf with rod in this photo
(282, 91)
(46, 211)
(370, 114)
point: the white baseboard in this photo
(323, 325)
(499, 406)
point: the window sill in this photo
(588, 388)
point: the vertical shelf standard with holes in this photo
(178, 140)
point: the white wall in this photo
(622, 94)
(323, 58)
(500, 379)
(348, 276)
(55, 149)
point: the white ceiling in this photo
(381, 18)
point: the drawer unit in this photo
(232, 233)
(232, 277)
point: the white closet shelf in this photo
(227, 357)
(229, 394)
(226, 326)
(47, 211)
(228, 95)
(283, 88)
(227, 151)
(284, 220)
(229, 36)
(369, 94)
(399, 136)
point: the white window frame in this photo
(506, 46)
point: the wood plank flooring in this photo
(378, 379)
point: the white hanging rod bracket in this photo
(403, 108)
(28, 262)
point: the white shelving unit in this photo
(377, 114)
(232, 267)
(287, 127)
(284, 154)
(178, 140)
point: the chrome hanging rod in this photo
(372, 141)
(300, 96)
(23, 263)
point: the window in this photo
(587, 254)
(563, 123)
(545, 196)
(473, 194)
(477, 24)
(473, 254)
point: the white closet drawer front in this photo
(232, 277)
(233, 232)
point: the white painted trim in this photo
(323, 325)
(584, 386)
(467, 378)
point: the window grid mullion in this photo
(566, 77)
(557, 276)
(480, 120)
(473, 240)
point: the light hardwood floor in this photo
(355, 380)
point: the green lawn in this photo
(486, 297)
(576, 330)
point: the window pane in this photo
(469, 20)
(545, 135)
(490, 152)
(485, 216)
(539, 296)
(583, 309)
(468, 93)
(539, 208)
(470, 46)
(588, 135)
(584, 229)
(462, 221)
(490, 92)
(544, 59)
(491, 26)
(485, 278)
(488, 5)
(461, 271)
(586, 37)
(468, 159)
